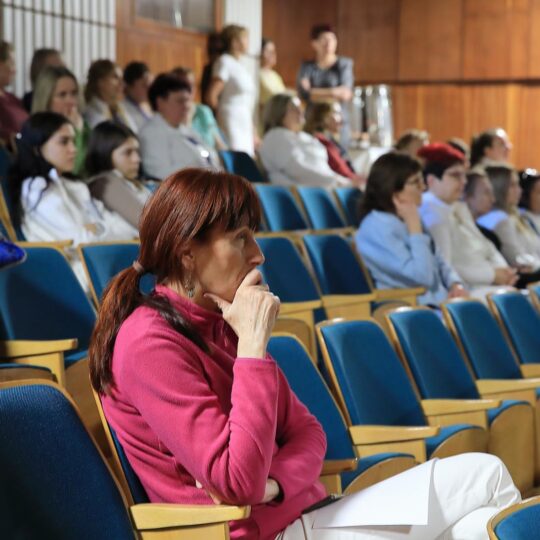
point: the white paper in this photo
(399, 500)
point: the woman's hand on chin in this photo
(251, 314)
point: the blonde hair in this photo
(500, 178)
(46, 84)
(230, 33)
(275, 110)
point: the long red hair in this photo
(185, 207)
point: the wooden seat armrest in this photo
(491, 386)
(60, 244)
(396, 294)
(18, 347)
(435, 407)
(530, 370)
(335, 466)
(163, 516)
(332, 300)
(293, 307)
(385, 434)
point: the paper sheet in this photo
(399, 500)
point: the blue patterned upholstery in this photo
(280, 209)
(483, 342)
(105, 261)
(55, 483)
(374, 384)
(522, 323)
(242, 164)
(335, 265)
(320, 208)
(309, 387)
(523, 524)
(349, 199)
(41, 299)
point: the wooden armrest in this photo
(396, 294)
(163, 516)
(60, 244)
(335, 466)
(434, 407)
(384, 434)
(492, 386)
(18, 347)
(293, 307)
(332, 300)
(530, 370)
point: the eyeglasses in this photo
(417, 181)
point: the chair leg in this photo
(512, 439)
(466, 440)
(78, 385)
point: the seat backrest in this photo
(370, 377)
(240, 163)
(432, 355)
(320, 208)
(522, 324)
(104, 261)
(280, 209)
(6, 209)
(482, 340)
(349, 199)
(311, 390)
(285, 272)
(521, 521)
(337, 269)
(41, 299)
(55, 483)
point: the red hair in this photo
(185, 207)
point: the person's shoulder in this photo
(433, 210)
(277, 134)
(380, 223)
(345, 61)
(493, 219)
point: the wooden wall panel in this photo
(368, 32)
(430, 39)
(534, 40)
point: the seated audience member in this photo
(103, 95)
(137, 81)
(461, 146)
(411, 141)
(203, 412)
(292, 156)
(529, 203)
(451, 225)
(393, 244)
(12, 113)
(202, 118)
(478, 195)
(270, 81)
(113, 162)
(41, 59)
(491, 147)
(57, 90)
(323, 121)
(48, 205)
(520, 244)
(167, 143)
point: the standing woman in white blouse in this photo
(232, 91)
(48, 205)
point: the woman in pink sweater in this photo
(202, 411)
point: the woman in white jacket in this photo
(48, 206)
(289, 155)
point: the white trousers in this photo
(466, 491)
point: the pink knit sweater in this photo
(230, 423)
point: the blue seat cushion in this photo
(506, 404)
(521, 525)
(366, 463)
(432, 443)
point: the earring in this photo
(190, 289)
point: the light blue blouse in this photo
(398, 259)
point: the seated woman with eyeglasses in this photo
(202, 411)
(391, 239)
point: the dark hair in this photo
(105, 138)
(409, 136)
(134, 71)
(187, 206)
(163, 85)
(479, 143)
(527, 181)
(473, 177)
(387, 176)
(319, 29)
(316, 114)
(39, 61)
(99, 69)
(460, 145)
(29, 163)
(265, 42)
(6, 49)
